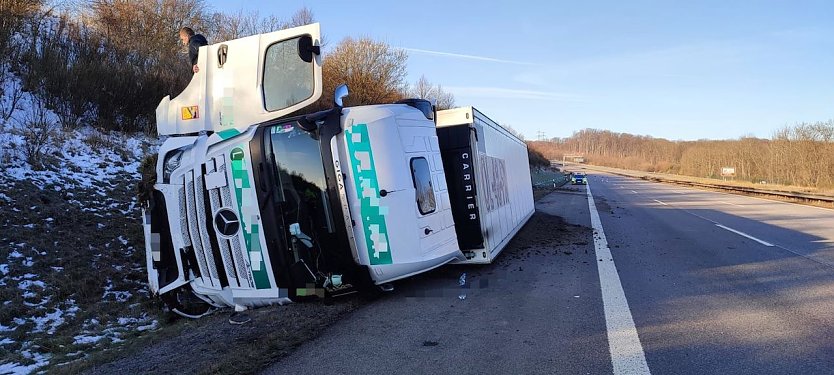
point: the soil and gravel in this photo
(213, 345)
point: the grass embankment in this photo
(72, 276)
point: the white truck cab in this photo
(254, 206)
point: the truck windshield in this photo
(299, 178)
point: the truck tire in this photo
(183, 302)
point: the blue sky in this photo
(672, 69)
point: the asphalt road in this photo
(711, 283)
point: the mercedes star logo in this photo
(226, 222)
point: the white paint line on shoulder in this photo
(740, 233)
(806, 256)
(627, 356)
(731, 204)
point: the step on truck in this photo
(255, 205)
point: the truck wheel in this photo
(183, 302)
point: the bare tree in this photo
(301, 17)
(9, 100)
(37, 128)
(374, 71)
(424, 89)
(13, 16)
(801, 154)
(242, 24)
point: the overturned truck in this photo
(255, 205)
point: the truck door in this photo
(403, 218)
(430, 199)
(247, 81)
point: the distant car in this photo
(578, 178)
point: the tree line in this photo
(108, 63)
(800, 154)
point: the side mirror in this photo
(341, 92)
(306, 49)
(423, 105)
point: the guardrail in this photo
(556, 182)
(557, 179)
(740, 189)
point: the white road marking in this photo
(627, 356)
(634, 192)
(806, 256)
(740, 233)
(731, 204)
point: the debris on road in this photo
(462, 283)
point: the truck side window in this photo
(421, 176)
(288, 80)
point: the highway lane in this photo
(804, 230)
(537, 310)
(706, 299)
(706, 290)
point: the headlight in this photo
(170, 164)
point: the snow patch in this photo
(84, 339)
(119, 296)
(53, 320)
(26, 284)
(17, 368)
(152, 326)
(38, 305)
(50, 322)
(126, 321)
(87, 157)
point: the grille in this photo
(195, 226)
(193, 231)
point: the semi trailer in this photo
(256, 205)
(488, 175)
